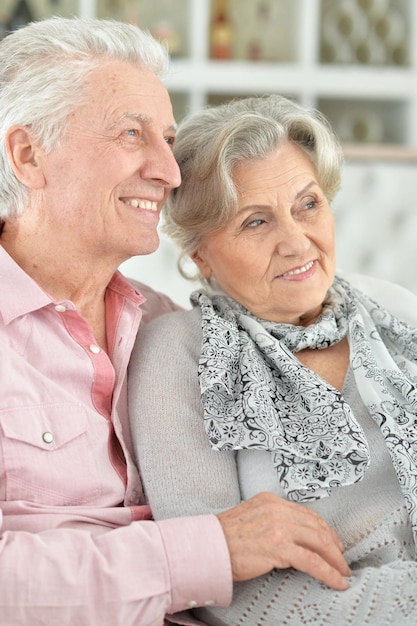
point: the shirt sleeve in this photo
(123, 577)
(200, 570)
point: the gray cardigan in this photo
(183, 476)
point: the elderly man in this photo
(86, 134)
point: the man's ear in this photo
(25, 157)
(202, 264)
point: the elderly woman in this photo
(284, 376)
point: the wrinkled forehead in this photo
(117, 91)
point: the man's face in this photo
(107, 181)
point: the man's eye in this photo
(170, 140)
(132, 132)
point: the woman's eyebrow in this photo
(306, 188)
(251, 207)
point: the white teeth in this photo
(300, 270)
(142, 204)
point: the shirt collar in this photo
(20, 294)
(122, 286)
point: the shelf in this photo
(389, 89)
(288, 39)
(255, 77)
(379, 153)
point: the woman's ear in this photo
(24, 154)
(199, 259)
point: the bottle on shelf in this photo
(221, 32)
(255, 50)
(166, 20)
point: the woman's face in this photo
(275, 256)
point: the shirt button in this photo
(61, 308)
(192, 603)
(209, 603)
(94, 349)
(48, 437)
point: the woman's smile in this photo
(299, 273)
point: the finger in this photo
(315, 539)
(323, 540)
(314, 565)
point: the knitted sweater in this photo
(183, 476)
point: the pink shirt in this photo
(65, 482)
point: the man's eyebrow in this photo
(136, 117)
(145, 119)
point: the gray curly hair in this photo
(211, 142)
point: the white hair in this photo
(43, 74)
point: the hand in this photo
(268, 532)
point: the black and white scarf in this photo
(256, 393)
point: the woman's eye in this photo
(310, 204)
(254, 223)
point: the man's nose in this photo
(160, 165)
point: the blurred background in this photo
(355, 60)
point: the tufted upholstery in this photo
(376, 221)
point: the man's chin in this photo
(147, 248)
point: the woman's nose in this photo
(291, 238)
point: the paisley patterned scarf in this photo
(256, 394)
